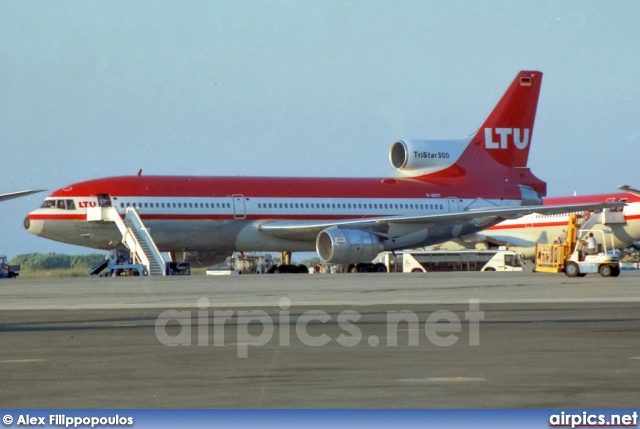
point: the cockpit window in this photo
(59, 204)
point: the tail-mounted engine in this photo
(433, 155)
(347, 246)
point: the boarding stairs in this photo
(135, 236)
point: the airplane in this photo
(11, 195)
(521, 235)
(443, 189)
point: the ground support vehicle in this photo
(574, 259)
(120, 263)
(242, 263)
(414, 261)
(8, 271)
(178, 269)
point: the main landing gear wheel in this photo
(572, 269)
(291, 269)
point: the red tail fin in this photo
(497, 154)
(507, 132)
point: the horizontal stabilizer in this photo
(630, 190)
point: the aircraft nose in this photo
(33, 226)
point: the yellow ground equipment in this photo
(551, 258)
(574, 261)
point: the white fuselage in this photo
(233, 223)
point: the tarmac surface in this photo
(434, 340)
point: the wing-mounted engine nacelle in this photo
(432, 155)
(347, 246)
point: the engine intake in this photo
(347, 246)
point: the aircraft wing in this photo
(11, 195)
(390, 226)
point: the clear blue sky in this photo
(319, 88)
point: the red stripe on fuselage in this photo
(527, 225)
(38, 216)
(284, 187)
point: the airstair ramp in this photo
(138, 239)
(591, 221)
(606, 217)
(135, 236)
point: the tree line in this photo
(55, 261)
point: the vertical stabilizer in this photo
(497, 154)
(506, 134)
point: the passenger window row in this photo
(541, 216)
(69, 205)
(177, 205)
(345, 206)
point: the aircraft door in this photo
(454, 205)
(529, 221)
(239, 209)
(104, 200)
